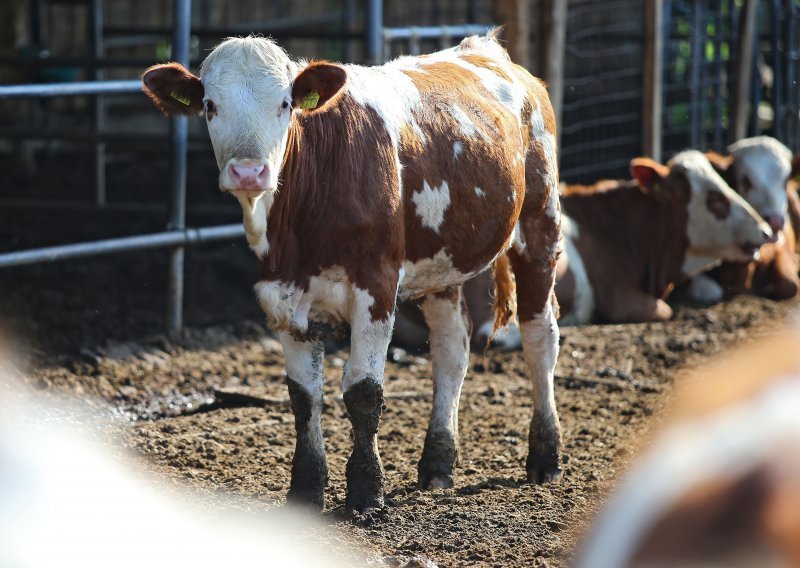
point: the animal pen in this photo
(627, 78)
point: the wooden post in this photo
(748, 26)
(653, 92)
(553, 34)
(514, 16)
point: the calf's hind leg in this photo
(449, 324)
(304, 379)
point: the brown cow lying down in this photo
(760, 169)
(628, 244)
(364, 185)
(720, 485)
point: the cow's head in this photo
(248, 89)
(761, 169)
(721, 224)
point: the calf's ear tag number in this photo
(310, 100)
(183, 99)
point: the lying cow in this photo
(760, 170)
(628, 243)
(720, 485)
(362, 185)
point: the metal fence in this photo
(177, 235)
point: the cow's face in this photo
(248, 91)
(761, 169)
(721, 224)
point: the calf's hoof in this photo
(436, 464)
(429, 479)
(364, 500)
(306, 498)
(543, 465)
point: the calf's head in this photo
(248, 90)
(721, 224)
(761, 167)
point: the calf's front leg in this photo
(363, 397)
(304, 379)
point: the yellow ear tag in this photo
(310, 100)
(184, 100)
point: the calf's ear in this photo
(720, 163)
(316, 85)
(173, 89)
(649, 173)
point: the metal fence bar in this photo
(432, 32)
(123, 244)
(179, 134)
(70, 89)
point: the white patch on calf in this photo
(547, 141)
(479, 192)
(432, 203)
(540, 342)
(369, 341)
(394, 104)
(254, 218)
(328, 299)
(430, 275)
(465, 124)
(458, 147)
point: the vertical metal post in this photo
(553, 31)
(374, 32)
(99, 108)
(179, 128)
(514, 16)
(744, 72)
(653, 93)
(348, 9)
(695, 87)
(778, 102)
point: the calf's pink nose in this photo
(247, 176)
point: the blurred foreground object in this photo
(66, 501)
(720, 484)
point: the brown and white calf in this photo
(628, 243)
(760, 169)
(362, 185)
(720, 484)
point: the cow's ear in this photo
(317, 84)
(720, 163)
(795, 167)
(173, 89)
(649, 173)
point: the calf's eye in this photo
(210, 109)
(285, 105)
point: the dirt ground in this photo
(210, 409)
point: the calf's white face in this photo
(248, 90)
(721, 224)
(248, 105)
(761, 168)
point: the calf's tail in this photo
(505, 294)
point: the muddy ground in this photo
(91, 328)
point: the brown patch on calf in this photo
(173, 89)
(486, 63)
(718, 204)
(795, 167)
